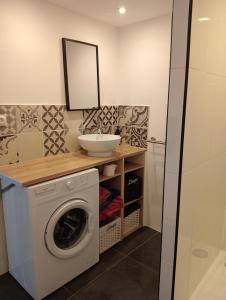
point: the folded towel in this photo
(113, 208)
(104, 194)
(113, 195)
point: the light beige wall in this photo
(144, 58)
(31, 52)
(203, 194)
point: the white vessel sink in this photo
(99, 145)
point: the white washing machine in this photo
(52, 231)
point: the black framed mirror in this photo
(81, 75)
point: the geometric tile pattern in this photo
(133, 116)
(10, 112)
(29, 118)
(139, 116)
(58, 126)
(53, 117)
(133, 122)
(8, 149)
(4, 143)
(90, 118)
(107, 115)
(124, 115)
(138, 137)
(125, 133)
(54, 142)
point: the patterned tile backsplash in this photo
(10, 112)
(34, 131)
(53, 117)
(28, 118)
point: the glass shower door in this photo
(195, 189)
(203, 190)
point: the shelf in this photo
(133, 201)
(103, 178)
(129, 167)
(132, 222)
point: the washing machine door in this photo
(69, 229)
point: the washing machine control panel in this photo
(65, 185)
(70, 185)
(73, 184)
(45, 190)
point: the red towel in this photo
(104, 194)
(112, 209)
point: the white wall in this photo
(31, 53)
(144, 57)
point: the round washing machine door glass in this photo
(69, 229)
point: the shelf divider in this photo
(133, 201)
(103, 178)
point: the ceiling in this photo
(107, 10)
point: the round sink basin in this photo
(99, 145)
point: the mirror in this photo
(81, 75)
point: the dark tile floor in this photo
(130, 270)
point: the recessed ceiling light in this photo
(203, 19)
(122, 10)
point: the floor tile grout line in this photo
(98, 276)
(73, 295)
(142, 244)
(68, 291)
(137, 246)
(143, 265)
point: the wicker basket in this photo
(131, 222)
(110, 234)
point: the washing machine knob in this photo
(70, 185)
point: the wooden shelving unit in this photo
(130, 166)
(134, 221)
(103, 178)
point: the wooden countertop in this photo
(42, 169)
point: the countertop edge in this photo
(40, 179)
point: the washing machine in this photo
(52, 231)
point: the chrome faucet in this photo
(99, 126)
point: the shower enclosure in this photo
(194, 232)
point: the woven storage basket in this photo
(132, 221)
(110, 234)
